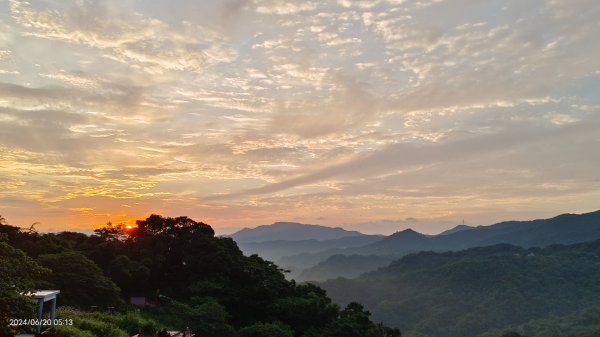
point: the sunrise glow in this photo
(372, 115)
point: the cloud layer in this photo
(351, 113)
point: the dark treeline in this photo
(199, 280)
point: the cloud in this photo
(252, 111)
(405, 155)
(349, 106)
(283, 7)
(143, 43)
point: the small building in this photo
(140, 301)
(41, 297)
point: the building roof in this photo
(46, 295)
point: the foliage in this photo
(267, 330)
(205, 317)
(71, 331)
(512, 334)
(156, 225)
(354, 322)
(104, 324)
(199, 280)
(18, 273)
(478, 290)
(584, 323)
(81, 281)
(127, 273)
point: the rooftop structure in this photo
(42, 296)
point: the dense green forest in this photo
(197, 280)
(485, 291)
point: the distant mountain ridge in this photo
(291, 231)
(562, 229)
(456, 229)
(273, 250)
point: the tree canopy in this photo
(18, 274)
(479, 290)
(194, 278)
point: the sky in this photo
(371, 115)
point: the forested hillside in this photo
(344, 266)
(483, 290)
(192, 277)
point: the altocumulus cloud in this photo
(245, 112)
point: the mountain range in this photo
(314, 252)
(274, 250)
(291, 231)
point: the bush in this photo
(267, 330)
(108, 325)
(71, 331)
(101, 328)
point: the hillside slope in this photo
(344, 266)
(473, 291)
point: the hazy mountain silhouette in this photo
(291, 231)
(562, 229)
(387, 246)
(456, 229)
(273, 250)
(408, 239)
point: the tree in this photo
(512, 334)
(205, 282)
(206, 318)
(156, 224)
(309, 308)
(354, 322)
(80, 280)
(112, 232)
(267, 330)
(128, 274)
(18, 273)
